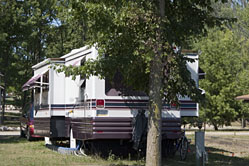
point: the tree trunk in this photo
(243, 122)
(215, 127)
(154, 137)
(153, 152)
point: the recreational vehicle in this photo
(91, 109)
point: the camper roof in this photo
(75, 51)
(47, 61)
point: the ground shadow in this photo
(216, 157)
(9, 139)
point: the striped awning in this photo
(31, 82)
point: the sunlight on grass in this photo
(17, 151)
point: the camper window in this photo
(41, 91)
(37, 97)
(45, 78)
(116, 87)
(45, 89)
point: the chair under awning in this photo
(32, 81)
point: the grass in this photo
(18, 151)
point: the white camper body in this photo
(86, 107)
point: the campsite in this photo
(19, 151)
(124, 82)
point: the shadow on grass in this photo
(9, 139)
(222, 157)
(211, 149)
(216, 157)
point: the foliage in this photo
(235, 64)
(126, 33)
(31, 31)
(137, 39)
(220, 59)
(66, 34)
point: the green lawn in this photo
(18, 151)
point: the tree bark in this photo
(154, 138)
(243, 122)
(215, 127)
(153, 152)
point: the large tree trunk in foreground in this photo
(153, 151)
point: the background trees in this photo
(31, 31)
(220, 59)
(224, 58)
(9, 37)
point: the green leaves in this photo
(129, 34)
(221, 61)
(31, 31)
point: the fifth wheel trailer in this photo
(92, 109)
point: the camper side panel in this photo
(188, 107)
(57, 93)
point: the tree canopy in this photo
(221, 77)
(137, 38)
(31, 31)
(224, 59)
